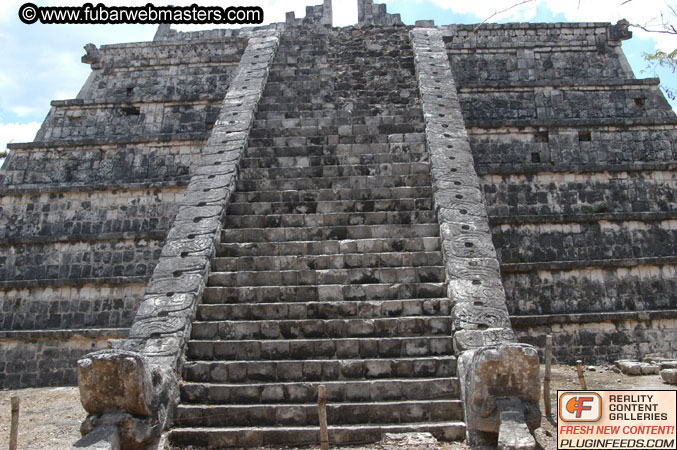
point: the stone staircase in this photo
(329, 269)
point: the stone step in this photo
(289, 45)
(336, 121)
(306, 392)
(289, 98)
(284, 84)
(291, 42)
(324, 262)
(328, 247)
(334, 160)
(318, 328)
(285, 51)
(306, 413)
(318, 64)
(422, 274)
(388, 169)
(416, 230)
(317, 60)
(297, 41)
(290, 51)
(323, 293)
(398, 146)
(309, 349)
(284, 436)
(356, 182)
(320, 106)
(303, 58)
(310, 220)
(359, 58)
(363, 309)
(290, 55)
(301, 108)
(333, 111)
(331, 139)
(328, 207)
(286, 80)
(305, 71)
(319, 369)
(311, 131)
(325, 195)
(408, 127)
(287, 75)
(282, 67)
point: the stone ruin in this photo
(223, 220)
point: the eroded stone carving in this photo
(127, 391)
(496, 374)
(114, 380)
(134, 388)
(620, 31)
(496, 379)
(92, 57)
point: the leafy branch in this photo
(660, 58)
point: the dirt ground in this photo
(50, 417)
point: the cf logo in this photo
(580, 406)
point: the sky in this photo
(42, 62)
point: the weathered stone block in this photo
(102, 438)
(495, 378)
(669, 376)
(115, 380)
(667, 365)
(630, 367)
(469, 339)
(409, 441)
(513, 433)
(466, 316)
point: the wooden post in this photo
(546, 377)
(14, 427)
(579, 368)
(322, 412)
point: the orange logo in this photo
(580, 407)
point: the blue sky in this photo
(42, 62)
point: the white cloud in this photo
(9, 8)
(23, 111)
(16, 132)
(482, 8)
(345, 14)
